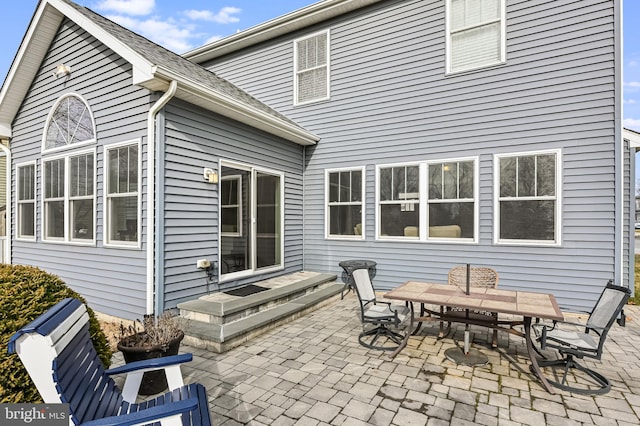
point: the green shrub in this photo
(26, 293)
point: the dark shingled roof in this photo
(158, 55)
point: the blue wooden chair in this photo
(57, 351)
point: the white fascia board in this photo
(5, 131)
(632, 136)
(222, 104)
(296, 20)
(27, 62)
(142, 69)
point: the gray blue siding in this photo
(195, 139)
(392, 102)
(112, 280)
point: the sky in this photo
(186, 24)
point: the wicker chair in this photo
(478, 277)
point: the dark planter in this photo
(153, 382)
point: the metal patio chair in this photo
(380, 320)
(573, 345)
(57, 352)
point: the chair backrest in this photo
(607, 308)
(57, 352)
(479, 277)
(364, 287)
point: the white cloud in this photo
(629, 101)
(632, 64)
(223, 16)
(212, 39)
(165, 33)
(631, 123)
(128, 7)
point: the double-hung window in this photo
(26, 201)
(475, 34)
(428, 201)
(122, 194)
(345, 213)
(311, 62)
(451, 199)
(399, 201)
(69, 200)
(528, 199)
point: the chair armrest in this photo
(148, 415)
(151, 364)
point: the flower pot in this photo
(153, 382)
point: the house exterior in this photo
(422, 134)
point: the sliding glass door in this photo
(251, 220)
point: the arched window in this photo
(70, 122)
(68, 178)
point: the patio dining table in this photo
(527, 305)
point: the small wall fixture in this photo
(61, 71)
(210, 175)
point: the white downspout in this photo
(151, 189)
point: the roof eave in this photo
(35, 44)
(632, 136)
(197, 94)
(301, 18)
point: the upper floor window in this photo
(311, 59)
(475, 34)
(122, 212)
(26, 187)
(528, 198)
(70, 122)
(345, 212)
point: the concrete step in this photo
(222, 325)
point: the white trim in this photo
(296, 72)
(558, 198)
(35, 200)
(327, 227)
(252, 269)
(379, 203)
(632, 136)
(53, 109)
(503, 40)
(106, 240)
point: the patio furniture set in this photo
(481, 303)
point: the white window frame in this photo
(405, 204)
(448, 42)
(107, 241)
(30, 201)
(50, 118)
(557, 198)
(297, 72)
(476, 191)
(362, 204)
(238, 179)
(67, 199)
(423, 202)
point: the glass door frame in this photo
(252, 255)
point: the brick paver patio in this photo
(312, 371)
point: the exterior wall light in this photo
(61, 71)
(210, 175)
